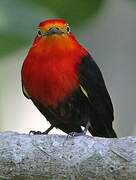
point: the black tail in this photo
(101, 129)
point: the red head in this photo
(55, 31)
(60, 24)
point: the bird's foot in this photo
(37, 132)
(40, 133)
(73, 134)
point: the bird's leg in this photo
(48, 130)
(72, 134)
(40, 133)
(87, 127)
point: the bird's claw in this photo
(35, 133)
(73, 134)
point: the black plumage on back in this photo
(100, 102)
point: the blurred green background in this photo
(106, 27)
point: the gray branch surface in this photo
(56, 157)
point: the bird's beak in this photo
(54, 30)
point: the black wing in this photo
(92, 82)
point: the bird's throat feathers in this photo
(50, 71)
(57, 44)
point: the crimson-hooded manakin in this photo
(65, 83)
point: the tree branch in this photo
(40, 157)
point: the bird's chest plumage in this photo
(50, 79)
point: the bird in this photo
(64, 82)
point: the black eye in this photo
(68, 29)
(39, 33)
